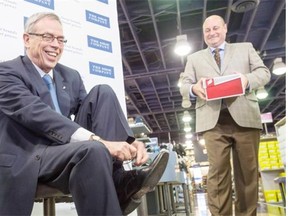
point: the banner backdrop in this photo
(91, 28)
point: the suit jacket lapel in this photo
(42, 90)
(38, 83)
(228, 53)
(210, 60)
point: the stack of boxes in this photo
(270, 160)
(280, 128)
(269, 155)
(273, 196)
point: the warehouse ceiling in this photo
(148, 30)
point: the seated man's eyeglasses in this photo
(50, 38)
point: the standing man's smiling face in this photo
(214, 31)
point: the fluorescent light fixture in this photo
(202, 141)
(188, 135)
(186, 117)
(182, 46)
(186, 103)
(179, 84)
(187, 127)
(261, 93)
(185, 98)
(279, 67)
(188, 144)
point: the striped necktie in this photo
(217, 57)
(49, 82)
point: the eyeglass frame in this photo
(50, 38)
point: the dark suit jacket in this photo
(240, 58)
(28, 125)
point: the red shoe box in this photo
(223, 87)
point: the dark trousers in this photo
(85, 169)
(220, 141)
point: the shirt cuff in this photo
(81, 134)
(191, 93)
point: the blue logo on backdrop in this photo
(43, 3)
(100, 44)
(97, 19)
(104, 1)
(101, 70)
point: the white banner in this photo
(91, 28)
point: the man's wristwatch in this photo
(95, 137)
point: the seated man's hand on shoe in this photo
(124, 151)
(142, 155)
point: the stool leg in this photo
(186, 199)
(167, 198)
(142, 208)
(161, 199)
(173, 201)
(49, 206)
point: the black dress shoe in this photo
(133, 184)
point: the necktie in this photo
(49, 82)
(217, 57)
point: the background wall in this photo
(91, 28)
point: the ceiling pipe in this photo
(228, 12)
(126, 64)
(278, 93)
(160, 104)
(161, 53)
(272, 24)
(157, 33)
(179, 26)
(249, 25)
(204, 16)
(154, 73)
(280, 115)
(134, 34)
(167, 111)
(129, 99)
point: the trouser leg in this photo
(102, 114)
(87, 167)
(219, 185)
(243, 142)
(245, 161)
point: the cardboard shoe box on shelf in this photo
(223, 87)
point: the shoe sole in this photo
(150, 182)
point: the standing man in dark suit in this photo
(231, 124)
(39, 143)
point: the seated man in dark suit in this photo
(39, 143)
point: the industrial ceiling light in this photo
(187, 127)
(182, 46)
(279, 67)
(188, 144)
(179, 84)
(186, 117)
(185, 99)
(202, 142)
(261, 93)
(188, 135)
(242, 6)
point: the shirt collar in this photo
(221, 47)
(42, 73)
